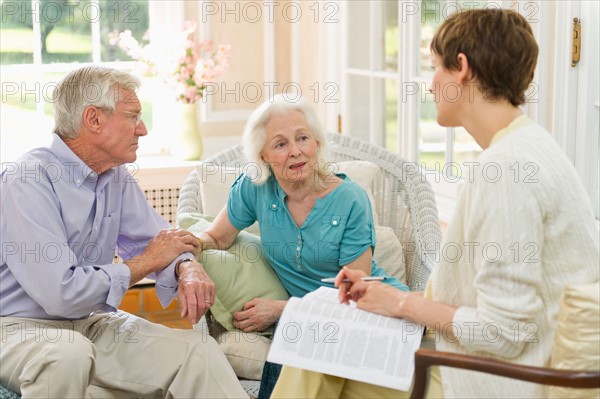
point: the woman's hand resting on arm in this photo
(258, 314)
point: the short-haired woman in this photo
(523, 223)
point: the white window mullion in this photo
(538, 106)
(408, 105)
(449, 146)
(346, 122)
(37, 48)
(377, 100)
(37, 32)
(450, 132)
(269, 52)
(329, 36)
(96, 42)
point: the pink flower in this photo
(191, 66)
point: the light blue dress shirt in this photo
(336, 232)
(61, 223)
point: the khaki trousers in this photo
(111, 355)
(297, 383)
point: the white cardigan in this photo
(523, 228)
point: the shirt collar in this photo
(280, 194)
(78, 170)
(514, 125)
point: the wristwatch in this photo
(179, 262)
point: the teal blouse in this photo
(336, 232)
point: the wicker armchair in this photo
(404, 201)
(6, 393)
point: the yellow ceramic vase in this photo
(187, 141)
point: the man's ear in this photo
(92, 118)
(465, 73)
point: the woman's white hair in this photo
(88, 86)
(254, 136)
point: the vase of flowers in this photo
(186, 67)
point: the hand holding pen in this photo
(347, 279)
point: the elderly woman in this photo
(312, 221)
(525, 231)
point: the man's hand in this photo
(258, 314)
(161, 251)
(196, 291)
(169, 244)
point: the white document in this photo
(318, 333)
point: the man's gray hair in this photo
(254, 137)
(88, 86)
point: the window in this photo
(41, 40)
(388, 84)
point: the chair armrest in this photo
(424, 358)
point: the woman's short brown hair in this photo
(499, 45)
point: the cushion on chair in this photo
(389, 254)
(240, 273)
(215, 182)
(363, 173)
(577, 336)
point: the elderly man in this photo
(65, 209)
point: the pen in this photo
(368, 278)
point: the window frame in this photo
(38, 69)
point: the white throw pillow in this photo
(216, 180)
(363, 173)
(389, 254)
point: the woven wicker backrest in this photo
(404, 201)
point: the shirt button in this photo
(78, 181)
(298, 249)
(273, 206)
(335, 222)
